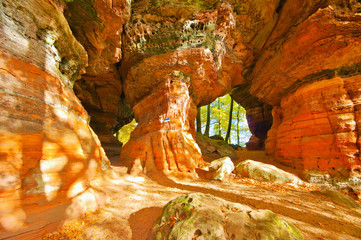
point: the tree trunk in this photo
(229, 122)
(208, 120)
(199, 121)
(238, 111)
(219, 117)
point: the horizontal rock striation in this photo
(321, 133)
(48, 152)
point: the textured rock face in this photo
(181, 74)
(47, 150)
(37, 33)
(101, 97)
(325, 42)
(98, 26)
(308, 70)
(48, 153)
(321, 133)
(201, 216)
(163, 138)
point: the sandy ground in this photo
(131, 204)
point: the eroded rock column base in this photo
(164, 137)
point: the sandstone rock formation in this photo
(98, 26)
(187, 63)
(165, 58)
(308, 70)
(48, 152)
(310, 74)
(201, 216)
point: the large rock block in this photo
(214, 148)
(201, 216)
(266, 172)
(220, 169)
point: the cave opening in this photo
(219, 121)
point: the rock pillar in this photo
(164, 137)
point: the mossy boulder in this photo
(214, 148)
(205, 217)
(266, 172)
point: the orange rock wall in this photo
(48, 152)
(318, 127)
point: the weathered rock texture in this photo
(201, 216)
(186, 61)
(163, 139)
(98, 26)
(101, 97)
(310, 72)
(48, 152)
(322, 132)
(300, 58)
(308, 69)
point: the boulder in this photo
(213, 148)
(202, 216)
(219, 169)
(266, 172)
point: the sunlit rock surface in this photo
(317, 127)
(48, 152)
(266, 172)
(203, 216)
(163, 138)
(167, 71)
(309, 71)
(163, 59)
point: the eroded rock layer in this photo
(308, 70)
(98, 26)
(48, 152)
(317, 127)
(299, 58)
(166, 74)
(164, 137)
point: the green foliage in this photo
(123, 134)
(220, 116)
